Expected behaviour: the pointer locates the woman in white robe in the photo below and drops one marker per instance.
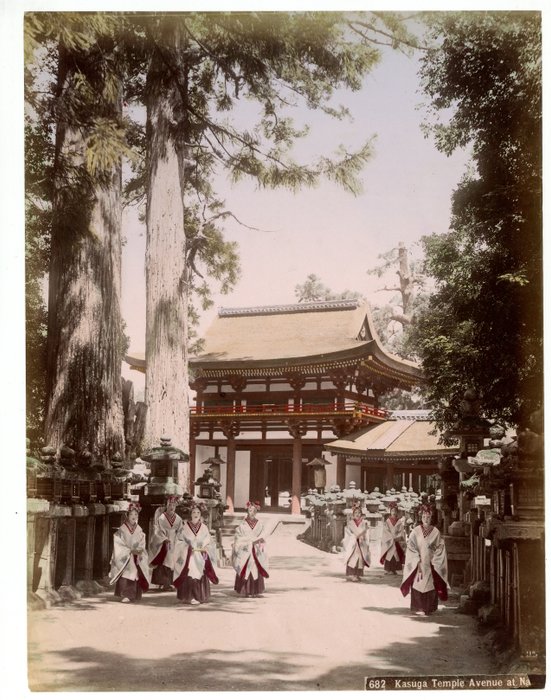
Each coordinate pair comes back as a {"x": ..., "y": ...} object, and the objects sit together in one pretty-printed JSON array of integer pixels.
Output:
[
  {"x": 249, "y": 556},
  {"x": 129, "y": 561},
  {"x": 393, "y": 541},
  {"x": 356, "y": 545},
  {"x": 426, "y": 567},
  {"x": 167, "y": 525},
  {"x": 193, "y": 564}
]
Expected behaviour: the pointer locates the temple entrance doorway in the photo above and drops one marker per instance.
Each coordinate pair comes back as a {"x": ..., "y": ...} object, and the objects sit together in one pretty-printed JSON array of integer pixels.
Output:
[{"x": 272, "y": 475}]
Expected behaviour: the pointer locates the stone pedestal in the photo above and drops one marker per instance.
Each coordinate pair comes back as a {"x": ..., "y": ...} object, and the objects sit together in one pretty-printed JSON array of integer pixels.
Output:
[
  {"x": 45, "y": 558},
  {"x": 37, "y": 534},
  {"x": 101, "y": 542},
  {"x": 458, "y": 549},
  {"x": 86, "y": 521},
  {"x": 338, "y": 524},
  {"x": 65, "y": 569},
  {"x": 527, "y": 496},
  {"x": 523, "y": 610}
]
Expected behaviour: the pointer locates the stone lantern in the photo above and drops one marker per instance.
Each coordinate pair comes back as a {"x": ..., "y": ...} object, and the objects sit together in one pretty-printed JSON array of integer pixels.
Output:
[
  {"x": 214, "y": 464},
  {"x": 471, "y": 430},
  {"x": 336, "y": 504},
  {"x": 320, "y": 473},
  {"x": 163, "y": 461},
  {"x": 208, "y": 486},
  {"x": 353, "y": 495},
  {"x": 371, "y": 504}
]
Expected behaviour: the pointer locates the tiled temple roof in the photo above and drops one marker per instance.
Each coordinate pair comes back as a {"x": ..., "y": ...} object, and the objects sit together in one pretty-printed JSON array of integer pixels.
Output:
[
  {"x": 296, "y": 337},
  {"x": 393, "y": 439}
]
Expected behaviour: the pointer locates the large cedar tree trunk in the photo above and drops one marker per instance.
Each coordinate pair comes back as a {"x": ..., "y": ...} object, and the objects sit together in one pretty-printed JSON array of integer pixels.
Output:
[
  {"x": 167, "y": 380},
  {"x": 84, "y": 407}
]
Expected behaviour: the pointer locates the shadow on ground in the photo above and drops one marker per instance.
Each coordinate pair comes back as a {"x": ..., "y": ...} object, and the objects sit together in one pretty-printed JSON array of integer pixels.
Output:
[{"x": 91, "y": 669}]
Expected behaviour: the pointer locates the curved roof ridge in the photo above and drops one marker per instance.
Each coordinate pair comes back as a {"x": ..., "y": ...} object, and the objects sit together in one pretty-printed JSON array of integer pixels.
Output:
[
  {"x": 378, "y": 342},
  {"x": 329, "y": 305}
]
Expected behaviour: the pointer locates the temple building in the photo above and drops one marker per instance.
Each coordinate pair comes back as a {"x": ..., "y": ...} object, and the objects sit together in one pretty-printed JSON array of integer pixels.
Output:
[
  {"x": 275, "y": 384},
  {"x": 403, "y": 451}
]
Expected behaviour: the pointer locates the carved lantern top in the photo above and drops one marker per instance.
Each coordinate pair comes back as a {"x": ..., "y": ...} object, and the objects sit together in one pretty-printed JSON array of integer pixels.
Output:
[{"x": 165, "y": 452}]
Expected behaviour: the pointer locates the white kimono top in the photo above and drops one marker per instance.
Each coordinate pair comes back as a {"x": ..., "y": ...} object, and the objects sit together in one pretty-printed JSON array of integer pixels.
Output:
[
  {"x": 356, "y": 543},
  {"x": 124, "y": 563},
  {"x": 195, "y": 552},
  {"x": 166, "y": 527},
  {"x": 249, "y": 557},
  {"x": 426, "y": 566},
  {"x": 393, "y": 540}
]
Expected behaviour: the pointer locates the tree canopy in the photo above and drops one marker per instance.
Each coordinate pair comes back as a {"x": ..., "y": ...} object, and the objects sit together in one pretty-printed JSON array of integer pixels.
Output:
[{"x": 483, "y": 326}]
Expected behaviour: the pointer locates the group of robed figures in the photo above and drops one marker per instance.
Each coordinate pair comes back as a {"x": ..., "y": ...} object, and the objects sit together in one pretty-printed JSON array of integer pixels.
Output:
[
  {"x": 181, "y": 555},
  {"x": 421, "y": 554}
]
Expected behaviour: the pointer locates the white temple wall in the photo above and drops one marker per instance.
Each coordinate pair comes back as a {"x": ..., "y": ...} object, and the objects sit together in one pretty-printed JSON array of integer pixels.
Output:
[
  {"x": 242, "y": 477},
  {"x": 330, "y": 469},
  {"x": 353, "y": 473}
]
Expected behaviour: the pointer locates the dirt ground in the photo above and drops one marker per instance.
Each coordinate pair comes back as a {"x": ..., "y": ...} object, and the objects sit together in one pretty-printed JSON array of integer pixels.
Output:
[{"x": 312, "y": 630}]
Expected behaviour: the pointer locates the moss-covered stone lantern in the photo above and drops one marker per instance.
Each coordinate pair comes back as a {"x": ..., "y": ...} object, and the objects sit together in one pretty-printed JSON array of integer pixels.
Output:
[{"x": 163, "y": 461}]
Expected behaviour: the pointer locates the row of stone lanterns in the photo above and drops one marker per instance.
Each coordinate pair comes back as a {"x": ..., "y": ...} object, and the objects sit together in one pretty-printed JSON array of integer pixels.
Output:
[
  {"x": 493, "y": 503},
  {"x": 329, "y": 511}
]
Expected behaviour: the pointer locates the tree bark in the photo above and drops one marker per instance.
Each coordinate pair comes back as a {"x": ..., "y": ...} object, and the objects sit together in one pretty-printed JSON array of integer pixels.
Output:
[
  {"x": 167, "y": 379},
  {"x": 84, "y": 407},
  {"x": 406, "y": 284}
]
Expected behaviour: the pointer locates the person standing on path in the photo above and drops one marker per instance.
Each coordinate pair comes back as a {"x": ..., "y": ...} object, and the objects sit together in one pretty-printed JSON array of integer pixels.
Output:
[
  {"x": 393, "y": 541},
  {"x": 356, "y": 544},
  {"x": 167, "y": 525},
  {"x": 129, "y": 561},
  {"x": 426, "y": 567},
  {"x": 249, "y": 557},
  {"x": 193, "y": 567}
]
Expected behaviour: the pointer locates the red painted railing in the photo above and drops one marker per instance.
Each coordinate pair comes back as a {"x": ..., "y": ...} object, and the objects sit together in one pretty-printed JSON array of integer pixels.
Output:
[{"x": 348, "y": 407}]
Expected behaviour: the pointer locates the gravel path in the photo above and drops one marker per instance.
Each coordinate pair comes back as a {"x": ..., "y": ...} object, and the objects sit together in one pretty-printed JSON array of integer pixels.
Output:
[{"x": 312, "y": 630}]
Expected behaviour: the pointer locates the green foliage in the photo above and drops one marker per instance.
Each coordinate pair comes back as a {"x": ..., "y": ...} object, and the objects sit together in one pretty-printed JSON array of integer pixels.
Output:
[
  {"x": 105, "y": 146},
  {"x": 209, "y": 258},
  {"x": 313, "y": 289},
  {"x": 483, "y": 325},
  {"x": 395, "y": 319},
  {"x": 38, "y": 175}
]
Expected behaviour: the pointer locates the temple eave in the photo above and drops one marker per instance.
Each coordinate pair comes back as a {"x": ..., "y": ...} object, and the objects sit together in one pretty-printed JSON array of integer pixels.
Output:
[{"x": 314, "y": 364}]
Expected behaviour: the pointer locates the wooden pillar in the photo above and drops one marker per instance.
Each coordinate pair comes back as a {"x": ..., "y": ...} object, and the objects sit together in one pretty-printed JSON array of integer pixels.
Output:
[
  {"x": 273, "y": 484},
  {"x": 230, "y": 475},
  {"x": 297, "y": 474},
  {"x": 192, "y": 460},
  {"x": 341, "y": 471},
  {"x": 389, "y": 476}
]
